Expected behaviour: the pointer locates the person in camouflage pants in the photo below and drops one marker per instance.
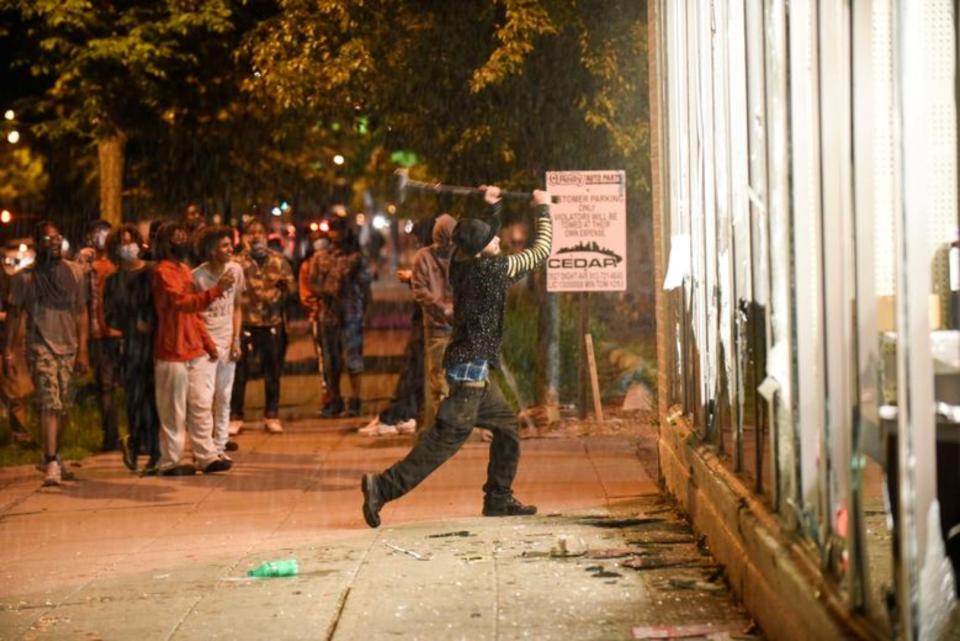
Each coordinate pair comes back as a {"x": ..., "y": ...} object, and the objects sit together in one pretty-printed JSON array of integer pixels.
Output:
[{"x": 263, "y": 335}]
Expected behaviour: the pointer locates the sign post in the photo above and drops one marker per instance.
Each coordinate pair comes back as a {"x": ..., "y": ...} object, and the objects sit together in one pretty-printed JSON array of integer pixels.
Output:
[
  {"x": 589, "y": 248},
  {"x": 589, "y": 231}
]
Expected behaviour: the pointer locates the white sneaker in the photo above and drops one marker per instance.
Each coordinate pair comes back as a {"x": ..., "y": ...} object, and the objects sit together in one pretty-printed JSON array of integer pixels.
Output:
[
  {"x": 273, "y": 425},
  {"x": 52, "y": 476},
  {"x": 370, "y": 427},
  {"x": 234, "y": 427},
  {"x": 376, "y": 428},
  {"x": 408, "y": 426}
]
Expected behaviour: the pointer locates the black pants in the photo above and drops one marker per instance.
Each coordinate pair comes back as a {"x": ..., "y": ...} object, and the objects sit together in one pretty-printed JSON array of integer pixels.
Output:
[
  {"x": 142, "y": 419},
  {"x": 268, "y": 344},
  {"x": 408, "y": 395},
  {"x": 105, "y": 358},
  {"x": 468, "y": 405}
]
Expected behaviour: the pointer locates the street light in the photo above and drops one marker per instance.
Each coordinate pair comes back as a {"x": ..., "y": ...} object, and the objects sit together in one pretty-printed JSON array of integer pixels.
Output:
[{"x": 13, "y": 137}]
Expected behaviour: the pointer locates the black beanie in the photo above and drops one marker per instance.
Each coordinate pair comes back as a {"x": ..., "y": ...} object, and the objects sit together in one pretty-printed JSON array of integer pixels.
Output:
[{"x": 472, "y": 234}]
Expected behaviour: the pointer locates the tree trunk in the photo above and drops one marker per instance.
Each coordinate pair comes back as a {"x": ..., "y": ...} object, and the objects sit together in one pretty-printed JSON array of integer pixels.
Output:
[{"x": 110, "y": 153}]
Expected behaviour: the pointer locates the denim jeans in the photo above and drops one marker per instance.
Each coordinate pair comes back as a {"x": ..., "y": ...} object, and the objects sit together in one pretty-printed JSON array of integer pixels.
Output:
[{"x": 469, "y": 405}]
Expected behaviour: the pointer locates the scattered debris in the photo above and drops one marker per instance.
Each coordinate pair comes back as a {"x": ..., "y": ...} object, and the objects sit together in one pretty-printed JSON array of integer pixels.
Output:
[
  {"x": 663, "y": 540},
  {"x": 567, "y": 547},
  {"x": 691, "y": 584},
  {"x": 597, "y": 572},
  {"x": 617, "y": 553},
  {"x": 656, "y": 562},
  {"x": 463, "y": 534},
  {"x": 410, "y": 553},
  {"x": 687, "y": 630},
  {"x": 607, "y": 522}
]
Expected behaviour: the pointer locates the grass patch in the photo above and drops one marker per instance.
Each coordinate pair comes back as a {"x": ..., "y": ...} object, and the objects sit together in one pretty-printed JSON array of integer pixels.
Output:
[{"x": 81, "y": 437}]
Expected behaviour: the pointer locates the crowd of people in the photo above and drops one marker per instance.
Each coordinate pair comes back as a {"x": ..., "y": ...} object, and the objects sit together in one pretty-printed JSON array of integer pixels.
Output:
[{"x": 179, "y": 317}]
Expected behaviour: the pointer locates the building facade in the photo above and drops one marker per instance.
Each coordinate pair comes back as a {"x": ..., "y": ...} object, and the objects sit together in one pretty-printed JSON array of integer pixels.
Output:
[{"x": 807, "y": 237}]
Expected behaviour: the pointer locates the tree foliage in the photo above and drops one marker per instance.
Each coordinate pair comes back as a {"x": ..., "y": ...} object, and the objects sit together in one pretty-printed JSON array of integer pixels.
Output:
[
  {"x": 111, "y": 64},
  {"x": 482, "y": 90},
  {"x": 235, "y": 102}
]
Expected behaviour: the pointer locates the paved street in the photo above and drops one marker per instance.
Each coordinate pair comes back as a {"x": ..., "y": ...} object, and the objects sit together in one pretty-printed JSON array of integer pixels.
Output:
[{"x": 112, "y": 556}]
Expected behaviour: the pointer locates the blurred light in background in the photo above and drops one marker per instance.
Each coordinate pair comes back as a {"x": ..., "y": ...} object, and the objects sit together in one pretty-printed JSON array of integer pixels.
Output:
[
  {"x": 9, "y": 115},
  {"x": 13, "y": 137},
  {"x": 380, "y": 222},
  {"x": 338, "y": 160},
  {"x": 5, "y": 216},
  {"x": 276, "y": 211}
]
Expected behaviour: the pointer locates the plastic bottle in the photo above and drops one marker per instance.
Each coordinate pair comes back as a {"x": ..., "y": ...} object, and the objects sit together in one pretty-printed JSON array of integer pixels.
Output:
[{"x": 287, "y": 567}]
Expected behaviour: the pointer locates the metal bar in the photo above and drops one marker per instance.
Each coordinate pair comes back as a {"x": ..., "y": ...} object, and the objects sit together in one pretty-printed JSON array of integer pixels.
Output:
[
  {"x": 740, "y": 255},
  {"x": 839, "y": 287},
  {"x": 807, "y": 305},
  {"x": 915, "y": 442},
  {"x": 780, "y": 357},
  {"x": 757, "y": 193},
  {"x": 866, "y": 385}
]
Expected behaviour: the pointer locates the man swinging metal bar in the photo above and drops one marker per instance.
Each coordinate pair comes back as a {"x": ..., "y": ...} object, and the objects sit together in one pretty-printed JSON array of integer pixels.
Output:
[{"x": 480, "y": 277}]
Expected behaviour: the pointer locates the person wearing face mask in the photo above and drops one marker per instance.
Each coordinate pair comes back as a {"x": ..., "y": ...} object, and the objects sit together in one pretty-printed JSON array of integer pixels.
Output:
[
  {"x": 340, "y": 280},
  {"x": 268, "y": 278},
  {"x": 128, "y": 306},
  {"x": 53, "y": 293},
  {"x": 185, "y": 355},
  {"x": 223, "y": 320},
  {"x": 104, "y": 339}
]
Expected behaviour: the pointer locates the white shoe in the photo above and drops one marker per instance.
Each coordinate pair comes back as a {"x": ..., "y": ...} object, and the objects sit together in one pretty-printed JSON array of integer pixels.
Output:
[
  {"x": 376, "y": 428},
  {"x": 370, "y": 427},
  {"x": 408, "y": 426},
  {"x": 273, "y": 425},
  {"x": 52, "y": 476},
  {"x": 234, "y": 427}
]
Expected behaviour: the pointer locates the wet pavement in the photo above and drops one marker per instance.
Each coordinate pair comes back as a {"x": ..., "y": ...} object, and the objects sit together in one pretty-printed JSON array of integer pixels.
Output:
[{"x": 113, "y": 556}]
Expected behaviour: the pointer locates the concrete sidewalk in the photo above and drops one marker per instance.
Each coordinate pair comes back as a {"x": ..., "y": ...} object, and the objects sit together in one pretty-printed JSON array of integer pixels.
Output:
[{"x": 113, "y": 556}]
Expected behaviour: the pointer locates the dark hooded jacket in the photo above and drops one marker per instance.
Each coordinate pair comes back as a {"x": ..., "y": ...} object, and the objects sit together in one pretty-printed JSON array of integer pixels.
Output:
[{"x": 431, "y": 277}]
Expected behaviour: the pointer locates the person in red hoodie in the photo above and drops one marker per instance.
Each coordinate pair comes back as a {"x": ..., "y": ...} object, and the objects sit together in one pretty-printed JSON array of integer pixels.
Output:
[{"x": 184, "y": 353}]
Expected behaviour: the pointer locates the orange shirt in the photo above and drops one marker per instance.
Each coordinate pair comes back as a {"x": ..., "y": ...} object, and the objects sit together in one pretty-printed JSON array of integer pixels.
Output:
[
  {"x": 102, "y": 267},
  {"x": 307, "y": 298},
  {"x": 181, "y": 333}
]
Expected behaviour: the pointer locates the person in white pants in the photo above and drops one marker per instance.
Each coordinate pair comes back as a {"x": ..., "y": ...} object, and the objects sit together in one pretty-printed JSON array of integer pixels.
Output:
[
  {"x": 185, "y": 357},
  {"x": 222, "y": 320}
]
